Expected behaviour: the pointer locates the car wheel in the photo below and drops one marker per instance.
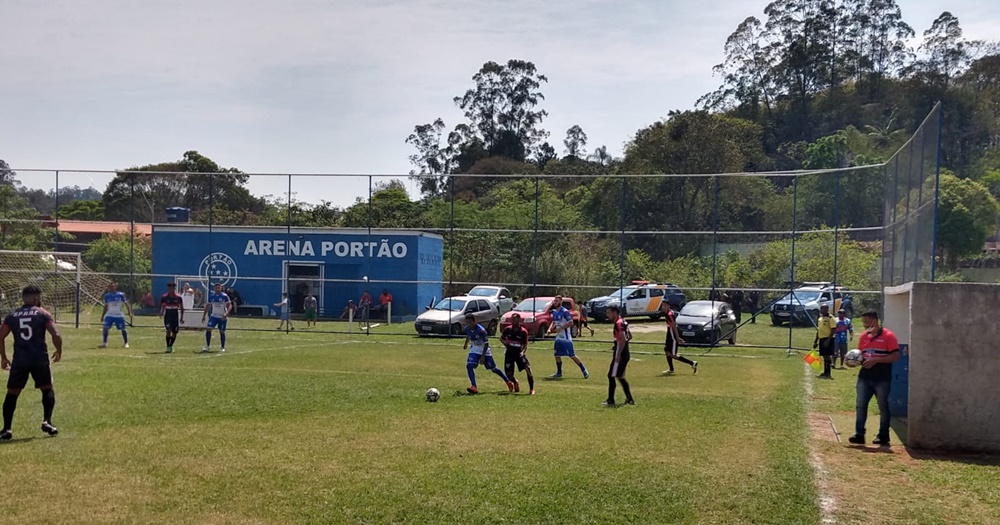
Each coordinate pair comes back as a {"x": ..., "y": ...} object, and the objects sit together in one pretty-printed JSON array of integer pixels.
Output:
[
  {"x": 456, "y": 329},
  {"x": 775, "y": 321},
  {"x": 716, "y": 336},
  {"x": 576, "y": 330},
  {"x": 541, "y": 330},
  {"x": 732, "y": 337},
  {"x": 656, "y": 317},
  {"x": 492, "y": 328}
]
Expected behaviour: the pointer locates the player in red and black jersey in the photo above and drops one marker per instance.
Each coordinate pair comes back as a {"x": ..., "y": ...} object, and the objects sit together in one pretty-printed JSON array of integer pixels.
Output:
[
  {"x": 172, "y": 311},
  {"x": 31, "y": 357},
  {"x": 515, "y": 339},
  {"x": 673, "y": 341},
  {"x": 620, "y": 359}
]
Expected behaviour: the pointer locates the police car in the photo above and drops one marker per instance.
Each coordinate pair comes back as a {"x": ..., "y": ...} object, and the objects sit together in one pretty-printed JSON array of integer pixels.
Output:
[
  {"x": 802, "y": 305},
  {"x": 638, "y": 299}
]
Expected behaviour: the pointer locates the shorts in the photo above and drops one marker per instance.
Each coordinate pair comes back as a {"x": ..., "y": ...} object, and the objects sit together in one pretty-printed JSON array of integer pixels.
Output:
[
  {"x": 618, "y": 369},
  {"x": 840, "y": 348},
  {"x": 488, "y": 362},
  {"x": 671, "y": 347},
  {"x": 310, "y": 314},
  {"x": 826, "y": 346},
  {"x": 514, "y": 358},
  {"x": 171, "y": 321},
  {"x": 284, "y": 316},
  {"x": 36, "y": 366},
  {"x": 217, "y": 321},
  {"x": 117, "y": 322},
  {"x": 564, "y": 348}
]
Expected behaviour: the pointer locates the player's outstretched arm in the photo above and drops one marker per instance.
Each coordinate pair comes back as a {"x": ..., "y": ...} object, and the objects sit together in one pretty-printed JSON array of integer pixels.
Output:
[
  {"x": 56, "y": 341},
  {"x": 4, "y": 362}
]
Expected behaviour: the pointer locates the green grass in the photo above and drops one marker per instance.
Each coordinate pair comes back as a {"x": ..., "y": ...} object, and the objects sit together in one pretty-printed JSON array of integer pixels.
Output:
[{"x": 333, "y": 428}]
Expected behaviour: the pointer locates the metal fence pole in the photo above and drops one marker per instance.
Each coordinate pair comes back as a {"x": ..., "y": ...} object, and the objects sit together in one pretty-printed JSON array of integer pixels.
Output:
[
  {"x": 534, "y": 257},
  {"x": 288, "y": 237},
  {"x": 836, "y": 228},
  {"x": 131, "y": 238},
  {"x": 791, "y": 282},
  {"x": 916, "y": 223},
  {"x": 55, "y": 216},
  {"x": 937, "y": 187},
  {"x": 906, "y": 217},
  {"x": 451, "y": 237},
  {"x": 715, "y": 241},
  {"x": 621, "y": 265}
]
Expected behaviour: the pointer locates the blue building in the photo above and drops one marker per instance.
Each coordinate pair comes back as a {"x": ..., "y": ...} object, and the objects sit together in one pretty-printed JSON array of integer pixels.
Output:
[{"x": 261, "y": 263}]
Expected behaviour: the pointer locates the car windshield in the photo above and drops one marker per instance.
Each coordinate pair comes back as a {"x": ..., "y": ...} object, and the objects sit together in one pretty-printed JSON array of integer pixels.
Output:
[
  {"x": 698, "y": 310},
  {"x": 530, "y": 305},
  {"x": 802, "y": 296},
  {"x": 450, "y": 305},
  {"x": 621, "y": 292},
  {"x": 483, "y": 292}
]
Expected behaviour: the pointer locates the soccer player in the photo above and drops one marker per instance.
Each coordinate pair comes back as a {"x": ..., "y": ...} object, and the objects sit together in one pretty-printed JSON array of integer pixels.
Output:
[
  {"x": 220, "y": 306},
  {"x": 283, "y": 306},
  {"x": 840, "y": 335},
  {"x": 584, "y": 320},
  {"x": 171, "y": 311},
  {"x": 880, "y": 349},
  {"x": 31, "y": 357},
  {"x": 670, "y": 347},
  {"x": 480, "y": 353},
  {"x": 113, "y": 315},
  {"x": 619, "y": 359},
  {"x": 562, "y": 326},
  {"x": 310, "y": 304},
  {"x": 825, "y": 326},
  {"x": 515, "y": 340}
]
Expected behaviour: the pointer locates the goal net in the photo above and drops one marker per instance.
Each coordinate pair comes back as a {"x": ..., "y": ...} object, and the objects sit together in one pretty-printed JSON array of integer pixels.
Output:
[{"x": 68, "y": 286}]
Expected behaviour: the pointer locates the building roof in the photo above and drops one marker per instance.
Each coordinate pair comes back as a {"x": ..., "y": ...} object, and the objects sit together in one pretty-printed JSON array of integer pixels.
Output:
[{"x": 103, "y": 227}]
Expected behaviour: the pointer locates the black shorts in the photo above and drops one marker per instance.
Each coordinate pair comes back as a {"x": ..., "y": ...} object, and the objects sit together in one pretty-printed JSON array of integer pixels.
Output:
[
  {"x": 826, "y": 346},
  {"x": 671, "y": 346},
  {"x": 171, "y": 321},
  {"x": 36, "y": 366},
  {"x": 618, "y": 369},
  {"x": 514, "y": 358}
]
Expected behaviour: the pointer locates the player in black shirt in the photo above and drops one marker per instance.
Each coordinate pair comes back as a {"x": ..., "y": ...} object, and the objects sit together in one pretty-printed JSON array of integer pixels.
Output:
[
  {"x": 171, "y": 310},
  {"x": 515, "y": 339},
  {"x": 31, "y": 357}
]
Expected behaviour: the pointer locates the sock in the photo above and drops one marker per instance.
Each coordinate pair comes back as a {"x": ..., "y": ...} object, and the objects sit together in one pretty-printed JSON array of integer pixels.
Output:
[
  {"x": 9, "y": 404},
  {"x": 582, "y": 368},
  {"x": 611, "y": 390},
  {"x": 208, "y": 338},
  {"x": 683, "y": 360},
  {"x": 626, "y": 389},
  {"x": 472, "y": 374},
  {"x": 48, "y": 403},
  {"x": 125, "y": 336},
  {"x": 502, "y": 375},
  {"x": 670, "y": 363},
  {"x": 826, "y": 365},
  {"x": 167, "y": 338},
  {"x": 559, "y": 367},
  {"x": 105, "y": 335},
  {"x": 222, "y": 339}
]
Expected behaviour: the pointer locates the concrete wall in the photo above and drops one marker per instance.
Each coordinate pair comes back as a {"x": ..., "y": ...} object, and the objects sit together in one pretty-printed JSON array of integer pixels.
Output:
[{"x": 954, "y": 400}]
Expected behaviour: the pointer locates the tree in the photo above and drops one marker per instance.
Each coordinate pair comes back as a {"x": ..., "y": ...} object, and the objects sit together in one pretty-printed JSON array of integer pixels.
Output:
[
  {"x": 746, "y": 71},
  {"x": 391, "y": 207},
  {"x": 20, "y": 227},
  {"x": 967, "y": 215},
  {"x": 576, "y": 142},
  {"x": 875, "y": 46},
  {"x": 83, "y": 210},
  {"x": 946, "y": 52},
  {"x": 502, "y": 108},
  {"x": 126, "y": 261},
  {"x": 432, "y": 160}
]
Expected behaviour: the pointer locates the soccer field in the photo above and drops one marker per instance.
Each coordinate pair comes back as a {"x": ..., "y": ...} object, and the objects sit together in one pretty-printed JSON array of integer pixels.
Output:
[{"x": 320, "y": 428}]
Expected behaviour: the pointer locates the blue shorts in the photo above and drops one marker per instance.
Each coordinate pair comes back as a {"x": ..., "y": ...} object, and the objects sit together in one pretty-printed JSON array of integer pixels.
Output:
[
  {"x": 564, "y": 348},
  {"x": 217, "y": 321},
  {"x": 284, "y": 316},
  {"x": 488, "y": 364},
  {"x": 117, "y": 322}
]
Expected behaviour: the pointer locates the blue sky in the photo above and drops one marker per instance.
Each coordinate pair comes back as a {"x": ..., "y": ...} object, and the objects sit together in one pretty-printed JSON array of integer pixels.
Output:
[{"x": 311, "y": 86}]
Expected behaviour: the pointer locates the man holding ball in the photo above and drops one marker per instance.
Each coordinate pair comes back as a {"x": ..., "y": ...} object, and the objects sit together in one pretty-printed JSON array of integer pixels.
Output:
[{"x": 880, "y": 349}]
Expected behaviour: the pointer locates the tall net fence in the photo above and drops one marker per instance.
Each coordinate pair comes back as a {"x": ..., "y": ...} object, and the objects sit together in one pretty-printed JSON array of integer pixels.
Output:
[
  {"x": 911, "y": 189},
  {"x": 772, "y": 246}
]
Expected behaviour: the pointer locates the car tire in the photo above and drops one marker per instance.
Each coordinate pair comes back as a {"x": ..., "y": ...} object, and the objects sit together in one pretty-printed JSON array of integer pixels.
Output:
[
  {"x": 732, "y": 337},
  {"x": 541, "y": 331},
  {"x": 492, "y": 328},
  {"x": 456, "y": 329},
  {"x": 656, "y": 317},
  {"x": 775, "y": 321},
  {"x": 716, "y": 336}
]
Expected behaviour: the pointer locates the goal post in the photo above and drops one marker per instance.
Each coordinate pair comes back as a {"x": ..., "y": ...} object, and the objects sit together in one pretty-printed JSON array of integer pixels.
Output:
[{"x": 68, "y": 286}]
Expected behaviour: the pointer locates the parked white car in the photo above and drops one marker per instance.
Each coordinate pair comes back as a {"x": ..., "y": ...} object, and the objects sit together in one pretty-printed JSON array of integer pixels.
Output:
[
  {"x": 499, "y": 296},
  {"x": 448, "y": 316}
]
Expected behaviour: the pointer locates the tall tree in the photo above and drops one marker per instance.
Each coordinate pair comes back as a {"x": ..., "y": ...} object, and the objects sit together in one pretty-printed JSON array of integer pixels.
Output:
[
  {"x": 876, "y": 38},
  {"x": 746, "y": 71},
  {"x": 946, "y": 53},
  {"x": 576, "y": 142}
]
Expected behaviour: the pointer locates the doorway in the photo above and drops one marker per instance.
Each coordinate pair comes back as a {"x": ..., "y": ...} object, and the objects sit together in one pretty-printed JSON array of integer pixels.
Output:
[{"x": 301, "y": 278}]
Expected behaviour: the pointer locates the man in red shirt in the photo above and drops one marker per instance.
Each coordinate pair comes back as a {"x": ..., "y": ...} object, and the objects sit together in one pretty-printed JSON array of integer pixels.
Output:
[
  {"x": 383, "y": 302},
  {"x": 880, "y": 349}
]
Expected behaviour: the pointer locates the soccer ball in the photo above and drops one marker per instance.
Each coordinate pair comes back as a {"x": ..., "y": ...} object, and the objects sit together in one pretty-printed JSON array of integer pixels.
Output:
[
  {"x": 433, "y": 395},
  {"x": 853, "y": 358}
]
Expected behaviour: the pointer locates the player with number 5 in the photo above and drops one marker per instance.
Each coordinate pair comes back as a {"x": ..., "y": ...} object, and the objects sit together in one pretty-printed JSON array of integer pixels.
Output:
[{"x": 31, "y": 357}]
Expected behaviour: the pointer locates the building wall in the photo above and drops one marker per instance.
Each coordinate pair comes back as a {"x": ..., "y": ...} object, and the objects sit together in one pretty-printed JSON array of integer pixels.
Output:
[
  {"x": 253, "y": 260},
  {"x": 954, "y": 403}
]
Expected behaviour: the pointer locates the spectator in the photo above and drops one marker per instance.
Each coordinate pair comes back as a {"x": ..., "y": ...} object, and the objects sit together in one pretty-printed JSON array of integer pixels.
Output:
[
  {"x": 753, "y": 301},
  {"x": 198, "y": 298},
  {"x": 311, "y": 306},
  {"x": 147, "y": 300},
  {"x": 735, "y": 299},
  {"x": 188, "y": 291},
  {"x": 234, "y": 296},
  {"x": 351, "y": 307},
  {"x": 879, "y": 349},
  {"x": 383, "y": 303},
  {"x": 365, "y": 306}
]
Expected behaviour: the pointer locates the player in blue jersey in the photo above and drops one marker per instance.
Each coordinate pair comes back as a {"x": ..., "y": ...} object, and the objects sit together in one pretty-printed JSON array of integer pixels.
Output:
[
  {"x": 220, "y": 307},
  {"x": 115, "y": 306},
  {"x": 29, "y": 324},
  {"x": 562, "y": 326},
  {"x": 477, "y": 337}
]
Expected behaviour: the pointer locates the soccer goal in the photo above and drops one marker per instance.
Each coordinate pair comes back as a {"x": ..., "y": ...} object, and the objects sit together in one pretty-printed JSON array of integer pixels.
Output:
[{"x": 68, "y": 286}]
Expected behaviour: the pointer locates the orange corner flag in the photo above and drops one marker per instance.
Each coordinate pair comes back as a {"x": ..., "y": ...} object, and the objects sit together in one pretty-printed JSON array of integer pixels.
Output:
[{"x": 812, "y": 358}]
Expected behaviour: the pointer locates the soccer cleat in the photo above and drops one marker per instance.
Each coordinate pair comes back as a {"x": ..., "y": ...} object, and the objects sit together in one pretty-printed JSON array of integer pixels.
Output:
[
  {"x": 49, "y": 429},
  {"x": 204, "y": 349},
  {"x": 556, "y": 375},
  {"x": 856, "y": 439},
  {"x": 517, "y": 386},
  {"x": 126, "y": 346},
  {"x": 6, "y": 435},
  {"x": 694, "y": 366},
  {"x": 102, "y": 345},
  {"x": 586, "y": 374},
  {"x": 880, "y": 441},
  {"x": 170, "y": 349},
  {"x": 630, "y": 402},
  {"x": 222, "y": 350},
  {"x": 472, "y": 390},
  {"x": 668, "y": 372},
  {"x": 510, "y": 386},
  {"x": 608, "y": 404},
  {"x": 532, "y": 391}
]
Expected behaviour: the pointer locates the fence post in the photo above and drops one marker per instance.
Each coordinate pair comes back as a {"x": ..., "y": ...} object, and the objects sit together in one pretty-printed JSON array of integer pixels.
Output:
[
  {"x": 451, "y": 235},
  {"x": 791, "y": 281},
  {"x": 534, "y": 257},
  {"x": 836, "y": 228},
  {"x": 368, "y": 262},
  {"x": 715, "y": 234},
  {"x": 55, "y": 214},
  {"x": 937, "y": 187},
  {"x": 131, "y": 238},
  {"x": 621, "y": 242},
  {"x": 288, "y": 237}
]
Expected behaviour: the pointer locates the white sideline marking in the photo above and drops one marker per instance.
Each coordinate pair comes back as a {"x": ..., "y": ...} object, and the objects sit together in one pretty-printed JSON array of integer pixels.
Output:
[{"x": 827, "y": 503}]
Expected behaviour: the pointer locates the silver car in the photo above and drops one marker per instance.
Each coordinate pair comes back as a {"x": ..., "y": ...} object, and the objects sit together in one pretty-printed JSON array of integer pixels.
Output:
[
  {"x": 448, "y": 316},
  {"x": 498, "y": 295}
]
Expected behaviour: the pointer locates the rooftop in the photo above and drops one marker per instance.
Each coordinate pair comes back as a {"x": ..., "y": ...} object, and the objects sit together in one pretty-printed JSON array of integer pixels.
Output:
[{"x": 103, "y": 227}]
